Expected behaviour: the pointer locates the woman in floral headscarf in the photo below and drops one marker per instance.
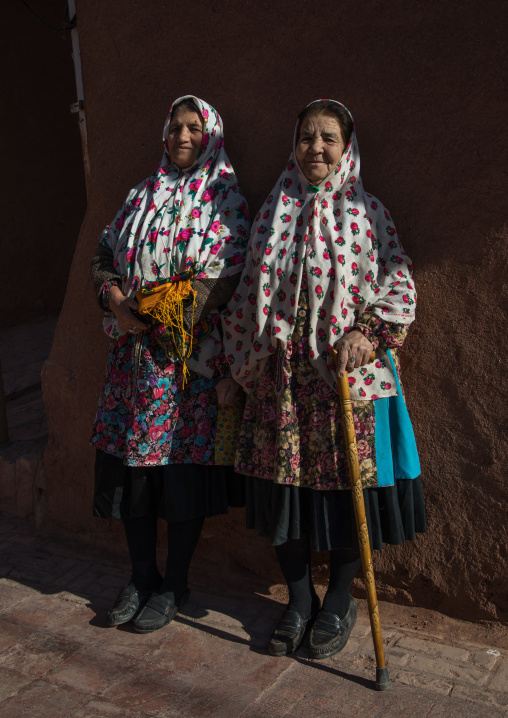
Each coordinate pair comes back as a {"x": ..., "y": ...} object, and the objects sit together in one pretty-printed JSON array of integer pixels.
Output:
[
  {"x": 325, "y": 270},
  {"x": 170, "y": 258}
]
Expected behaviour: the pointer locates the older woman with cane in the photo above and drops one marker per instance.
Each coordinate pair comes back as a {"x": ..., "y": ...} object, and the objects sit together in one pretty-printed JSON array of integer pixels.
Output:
[
  {"x": 325, "y": 273},
  {"x": 171, "y": 257}
]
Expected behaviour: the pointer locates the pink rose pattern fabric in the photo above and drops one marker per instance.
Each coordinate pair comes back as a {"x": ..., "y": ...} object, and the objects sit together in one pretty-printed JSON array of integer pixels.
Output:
[
  {"x": 355, "y": 262},
  {"x": 177, "y": 220}
]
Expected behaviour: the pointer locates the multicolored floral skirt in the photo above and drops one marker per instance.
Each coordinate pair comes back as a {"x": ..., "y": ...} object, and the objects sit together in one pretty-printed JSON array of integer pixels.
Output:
[
  {"x": 156, "y": 441},
  {"x": 292, "y": 427},
  {"x": 145, "y": 417}
]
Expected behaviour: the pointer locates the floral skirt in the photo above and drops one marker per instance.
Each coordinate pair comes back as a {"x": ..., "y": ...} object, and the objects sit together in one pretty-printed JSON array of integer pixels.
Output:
[
  {"x": 291, "y": 430},
  {"x": 177, "y": 492},
  {"x": 145, "y": 417}
]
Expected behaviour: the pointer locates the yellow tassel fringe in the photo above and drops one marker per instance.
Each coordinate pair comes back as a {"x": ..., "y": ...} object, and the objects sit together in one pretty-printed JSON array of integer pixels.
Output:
[{"x": 165, "y": 305}]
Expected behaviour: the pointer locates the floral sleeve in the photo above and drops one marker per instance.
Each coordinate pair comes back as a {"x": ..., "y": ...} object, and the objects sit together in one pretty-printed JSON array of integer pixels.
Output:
[{"x": 385, "y": 335}]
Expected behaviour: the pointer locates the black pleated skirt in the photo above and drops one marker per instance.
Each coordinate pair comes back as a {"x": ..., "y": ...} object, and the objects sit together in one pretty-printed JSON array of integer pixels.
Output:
[
  {"x": 281, "y": 512},
  {"x": 176, "y": 492}
]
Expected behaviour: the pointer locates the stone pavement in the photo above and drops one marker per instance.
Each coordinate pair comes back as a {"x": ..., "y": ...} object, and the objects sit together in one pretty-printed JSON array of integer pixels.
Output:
[{"x": 58, "y": 658}]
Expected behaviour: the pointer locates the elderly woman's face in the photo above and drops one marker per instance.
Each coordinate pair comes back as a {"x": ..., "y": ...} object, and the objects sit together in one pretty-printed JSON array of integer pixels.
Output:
[
  {"x": 184, "y": 137},
  {"x": 319, "y": 147}
]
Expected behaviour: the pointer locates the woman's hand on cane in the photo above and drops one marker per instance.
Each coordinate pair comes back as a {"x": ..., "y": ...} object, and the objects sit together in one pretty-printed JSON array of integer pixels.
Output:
[{"x": 353, "y": 350}]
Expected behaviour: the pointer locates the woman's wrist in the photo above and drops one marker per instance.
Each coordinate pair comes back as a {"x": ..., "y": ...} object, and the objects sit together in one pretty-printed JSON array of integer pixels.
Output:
[
  {"x": 115, "y": 294},
  {"x": 367, "y": 333},
  {"x": 106, "y": 291}
]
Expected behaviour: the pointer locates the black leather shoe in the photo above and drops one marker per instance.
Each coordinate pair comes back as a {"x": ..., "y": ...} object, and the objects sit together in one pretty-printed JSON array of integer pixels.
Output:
[
  {"x": 289, "y": 633},
  {"x": 159, "y": 610},
  {"x": 127, "y": 604},
  {"x": 329, "y": 633}
]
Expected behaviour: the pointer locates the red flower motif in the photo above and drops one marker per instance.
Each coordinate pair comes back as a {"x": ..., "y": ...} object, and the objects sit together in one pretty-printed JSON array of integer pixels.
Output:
[{"x": 209, "y": 194}]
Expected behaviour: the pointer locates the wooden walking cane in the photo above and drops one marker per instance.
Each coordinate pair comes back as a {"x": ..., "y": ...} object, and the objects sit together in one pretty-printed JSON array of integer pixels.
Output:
[{"x": 382, "y": 678}]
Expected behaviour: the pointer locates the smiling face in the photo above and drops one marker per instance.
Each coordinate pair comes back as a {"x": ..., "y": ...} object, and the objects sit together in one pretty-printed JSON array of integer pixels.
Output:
[
  {"x": 184, "y": 137},
  {"x": 319, "y": 146}
]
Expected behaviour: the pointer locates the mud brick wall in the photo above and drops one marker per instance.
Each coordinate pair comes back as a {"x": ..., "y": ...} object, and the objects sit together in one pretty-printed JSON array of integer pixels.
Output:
[{"x": 423, "y": 82}]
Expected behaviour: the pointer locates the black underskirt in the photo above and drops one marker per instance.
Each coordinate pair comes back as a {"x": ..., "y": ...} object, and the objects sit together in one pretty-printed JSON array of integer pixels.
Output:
[
  {"x": 180, "y": 492},
  {"x": 176, "y": 492},
  {"x": 281, "y": 512}
]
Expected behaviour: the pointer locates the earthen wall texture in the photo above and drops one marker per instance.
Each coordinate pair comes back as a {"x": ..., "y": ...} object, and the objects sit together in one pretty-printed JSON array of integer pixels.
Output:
[
  {"x": 43, "y": 188},
  {"x": 423, "y": 82}
]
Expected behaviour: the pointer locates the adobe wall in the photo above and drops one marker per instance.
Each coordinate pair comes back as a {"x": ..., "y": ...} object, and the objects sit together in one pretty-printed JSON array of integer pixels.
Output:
[
  {"x": 423, "y": 83},
  {"x": 43, "y": 188}
]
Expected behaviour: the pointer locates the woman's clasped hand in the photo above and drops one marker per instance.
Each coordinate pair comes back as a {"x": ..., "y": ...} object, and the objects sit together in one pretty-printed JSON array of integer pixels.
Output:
[
  {"x": 353, "y": 351},
  {"x": 123, "y": 308}
]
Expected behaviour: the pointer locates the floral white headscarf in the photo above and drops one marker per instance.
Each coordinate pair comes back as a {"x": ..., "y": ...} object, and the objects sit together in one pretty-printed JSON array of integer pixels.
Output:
[
  {"x": 345, "y": 240},
  {"x": 194, "y": 220}
]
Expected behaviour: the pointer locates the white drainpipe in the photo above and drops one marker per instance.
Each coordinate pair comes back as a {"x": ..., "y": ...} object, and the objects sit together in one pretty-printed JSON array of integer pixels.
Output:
[{"x": 79, "y": 106}]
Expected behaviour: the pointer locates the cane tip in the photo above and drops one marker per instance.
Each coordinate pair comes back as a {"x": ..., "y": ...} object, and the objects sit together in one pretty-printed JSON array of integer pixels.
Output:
[{"x": 382, "y": 679}]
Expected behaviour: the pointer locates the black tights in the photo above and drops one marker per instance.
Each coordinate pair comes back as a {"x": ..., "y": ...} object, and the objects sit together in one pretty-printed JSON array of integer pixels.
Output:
[
  {"x": 183, "y": 538},
  {"x": 294, "y": 560}
]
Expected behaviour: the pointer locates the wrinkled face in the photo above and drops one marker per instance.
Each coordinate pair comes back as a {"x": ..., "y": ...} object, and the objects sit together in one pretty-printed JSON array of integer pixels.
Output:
[
  {"x": 319, "y": 147},
  {"x": 184, "y": 137}
]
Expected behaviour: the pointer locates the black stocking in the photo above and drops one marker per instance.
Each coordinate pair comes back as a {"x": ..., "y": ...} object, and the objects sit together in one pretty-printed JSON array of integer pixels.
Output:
[
  {"x": 183, "y": 538},
  {"x": 141, "y": 536},
  {"x": 344, "y": 565},
  {"x": 294, "y": 560}
]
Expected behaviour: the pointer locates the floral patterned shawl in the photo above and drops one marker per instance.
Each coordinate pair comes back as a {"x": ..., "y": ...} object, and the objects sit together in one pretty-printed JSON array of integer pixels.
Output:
[
  {"x": 347, "y": 243},
  {"x": 182, "y": 220}
]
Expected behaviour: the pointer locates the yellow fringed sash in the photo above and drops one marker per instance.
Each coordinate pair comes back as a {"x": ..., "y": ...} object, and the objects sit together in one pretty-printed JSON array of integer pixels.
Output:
[{"x": 165, "y": 304}]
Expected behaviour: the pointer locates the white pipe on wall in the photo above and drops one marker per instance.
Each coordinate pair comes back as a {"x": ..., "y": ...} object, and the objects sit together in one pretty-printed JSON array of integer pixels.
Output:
[{"x": 79, "y": 106}]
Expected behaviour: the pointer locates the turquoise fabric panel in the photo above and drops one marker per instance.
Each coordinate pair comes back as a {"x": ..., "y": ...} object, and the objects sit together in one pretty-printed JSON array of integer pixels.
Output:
[
  {"x": 384, "y": 456},
  {"x": 396, "y": 452}
]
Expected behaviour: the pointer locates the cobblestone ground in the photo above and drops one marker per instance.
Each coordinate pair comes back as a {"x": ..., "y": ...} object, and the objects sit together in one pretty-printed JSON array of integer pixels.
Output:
[{"x": 58, "y": 658}]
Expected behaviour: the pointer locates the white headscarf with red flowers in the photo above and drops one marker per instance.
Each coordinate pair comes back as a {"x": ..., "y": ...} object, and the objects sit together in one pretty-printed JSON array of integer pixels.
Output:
[
  {"x": 177, "y": 220},
  {"x": 345, "y": 240}
]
